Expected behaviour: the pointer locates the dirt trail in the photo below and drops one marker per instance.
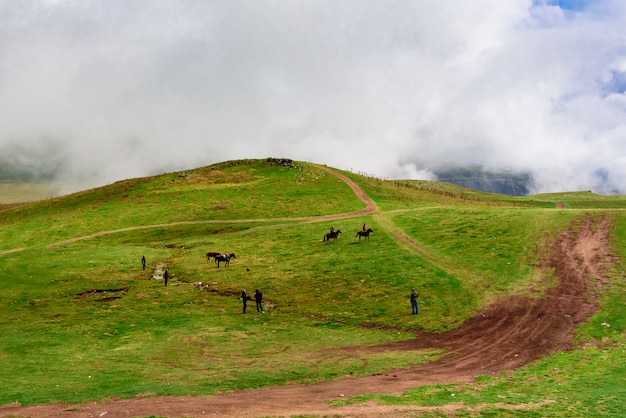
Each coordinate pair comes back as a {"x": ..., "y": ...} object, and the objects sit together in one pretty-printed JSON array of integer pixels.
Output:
[
  {"x": 369, "y": 209},
  {"x": 371, "y": 205},
  {"x": 506, "y": 335}
]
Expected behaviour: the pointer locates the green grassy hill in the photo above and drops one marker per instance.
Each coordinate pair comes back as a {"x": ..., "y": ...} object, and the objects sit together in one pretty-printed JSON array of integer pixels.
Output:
[{"x": 80, "y": 320}]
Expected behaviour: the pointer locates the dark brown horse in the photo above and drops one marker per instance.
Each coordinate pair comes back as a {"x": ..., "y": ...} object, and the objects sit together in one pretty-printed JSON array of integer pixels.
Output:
[
  {"x": 224, "y": 258},
  {"x": 332, "y": 235},
  {"x": 212, "y": 254},
  {"x": 364, "y": 234}
]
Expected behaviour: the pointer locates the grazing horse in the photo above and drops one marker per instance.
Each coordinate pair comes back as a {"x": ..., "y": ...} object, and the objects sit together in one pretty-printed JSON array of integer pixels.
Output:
[
  {"x": 212, "y": 254},
  {"x": 332, "y": 235},
  {"x": 364, "y": 234},
  {"x": 225, "y": 258}
]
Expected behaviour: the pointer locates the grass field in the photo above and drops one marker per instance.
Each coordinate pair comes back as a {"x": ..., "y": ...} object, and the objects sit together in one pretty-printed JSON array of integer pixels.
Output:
[{"x": 80, "y": 320}]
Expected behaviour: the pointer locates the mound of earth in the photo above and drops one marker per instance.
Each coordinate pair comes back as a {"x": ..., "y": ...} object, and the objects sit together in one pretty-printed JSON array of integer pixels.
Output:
[{"x": 508, "y": 334}]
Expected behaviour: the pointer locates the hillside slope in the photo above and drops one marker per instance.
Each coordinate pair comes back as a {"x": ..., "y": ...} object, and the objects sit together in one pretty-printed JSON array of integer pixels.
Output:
[{"x": 504, "y": 335}]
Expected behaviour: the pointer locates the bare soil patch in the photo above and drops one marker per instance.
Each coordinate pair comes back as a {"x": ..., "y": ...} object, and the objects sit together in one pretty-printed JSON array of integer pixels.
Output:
[
  {"x": 102, "y": 295},
  {"x": 506, "y": 335}
]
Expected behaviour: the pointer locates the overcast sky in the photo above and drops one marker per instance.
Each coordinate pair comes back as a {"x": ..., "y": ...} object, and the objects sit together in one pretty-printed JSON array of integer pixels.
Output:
[{"x": 116, "y": 89}]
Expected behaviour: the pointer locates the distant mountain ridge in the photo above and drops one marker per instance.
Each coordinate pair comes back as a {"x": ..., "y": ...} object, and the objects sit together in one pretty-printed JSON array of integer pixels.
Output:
[{"x": 494, "y": 181}]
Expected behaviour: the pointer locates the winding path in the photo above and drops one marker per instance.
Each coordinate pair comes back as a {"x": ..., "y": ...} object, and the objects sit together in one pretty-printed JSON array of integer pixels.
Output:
[{"x": 506, "y": 335}]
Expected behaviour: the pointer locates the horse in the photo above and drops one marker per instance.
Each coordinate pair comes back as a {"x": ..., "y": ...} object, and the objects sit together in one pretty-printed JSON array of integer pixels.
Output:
[
  {"x": 364, "y": 234},
  {"x": 225, "y": 258},
  {"x": 212, "y": 254},
  {"x": 332, "y": 235}
]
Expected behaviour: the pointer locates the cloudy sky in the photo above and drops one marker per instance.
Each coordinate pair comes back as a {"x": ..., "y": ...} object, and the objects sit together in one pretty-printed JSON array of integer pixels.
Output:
[{"x": 106, "y": 90}]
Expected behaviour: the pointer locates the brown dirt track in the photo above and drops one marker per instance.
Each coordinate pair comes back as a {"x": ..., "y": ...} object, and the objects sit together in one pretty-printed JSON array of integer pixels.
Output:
[{"x": 506, "y": 335}]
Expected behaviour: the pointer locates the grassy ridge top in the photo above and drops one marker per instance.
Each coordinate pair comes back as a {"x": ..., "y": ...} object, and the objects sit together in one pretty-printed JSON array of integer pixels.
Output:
[
  {"x": 245, "y": 189},
  {"x": 82, "y": 320}
]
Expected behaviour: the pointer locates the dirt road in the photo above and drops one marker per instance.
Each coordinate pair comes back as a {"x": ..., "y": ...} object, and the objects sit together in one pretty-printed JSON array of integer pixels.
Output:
[{"x": 506, "y": 335}]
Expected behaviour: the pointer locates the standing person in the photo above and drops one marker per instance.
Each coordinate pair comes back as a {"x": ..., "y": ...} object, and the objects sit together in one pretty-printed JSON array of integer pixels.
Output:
[
  {"x": 143, "y": 262},
  {"x": 244, "y": 298},
  {"x": 414, "y": 307},
  {"x": 166, "y": 275},
  {"x": 258, "y": 296}
]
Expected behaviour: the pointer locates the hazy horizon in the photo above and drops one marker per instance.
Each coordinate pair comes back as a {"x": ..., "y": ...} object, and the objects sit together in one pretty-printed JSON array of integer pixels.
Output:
[{"x": 100, "y": 91}]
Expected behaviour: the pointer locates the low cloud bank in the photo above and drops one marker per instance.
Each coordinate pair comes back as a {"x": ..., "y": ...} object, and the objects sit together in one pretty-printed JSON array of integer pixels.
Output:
[{"x": 95, "y": 92}]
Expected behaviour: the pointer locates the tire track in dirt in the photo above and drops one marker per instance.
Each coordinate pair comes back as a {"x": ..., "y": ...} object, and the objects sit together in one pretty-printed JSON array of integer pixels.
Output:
[{"x": 505, "y": 335}]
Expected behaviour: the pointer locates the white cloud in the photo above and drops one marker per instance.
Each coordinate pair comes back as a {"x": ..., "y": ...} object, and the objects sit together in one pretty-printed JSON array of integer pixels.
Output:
[{"x": 393, "y": 88}]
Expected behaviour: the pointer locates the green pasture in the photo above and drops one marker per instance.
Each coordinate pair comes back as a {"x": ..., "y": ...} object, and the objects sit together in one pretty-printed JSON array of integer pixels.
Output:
[
  {"x": 586, "y": 382},
  {"x": 238, "y": 190},
  {"x": 80, "y": 320}
]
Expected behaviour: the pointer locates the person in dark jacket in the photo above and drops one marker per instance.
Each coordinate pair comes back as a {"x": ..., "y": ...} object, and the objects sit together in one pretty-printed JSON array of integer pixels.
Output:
[
  {"x": 143, "y": 262},
  {"x": 244, "y": 298},
  {"x": 414, "y": 307},
  {"x": 166, "y": 275},
  {"x": 258, "y": 297}
]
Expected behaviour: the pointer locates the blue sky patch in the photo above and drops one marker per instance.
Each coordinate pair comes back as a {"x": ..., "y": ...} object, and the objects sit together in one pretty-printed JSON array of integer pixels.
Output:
[
  {"x": 617, "y": 83},
  {"x": 572, "y": 4}
]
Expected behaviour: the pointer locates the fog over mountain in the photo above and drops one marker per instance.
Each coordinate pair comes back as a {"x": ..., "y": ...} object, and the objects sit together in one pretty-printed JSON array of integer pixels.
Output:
[{"x": 96, "y": 91}]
